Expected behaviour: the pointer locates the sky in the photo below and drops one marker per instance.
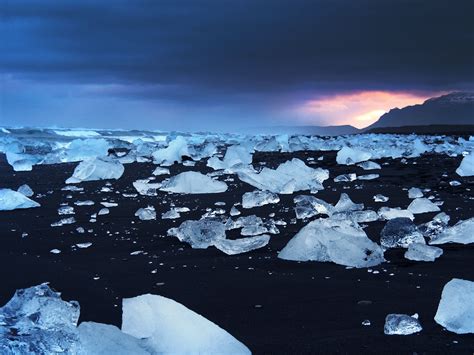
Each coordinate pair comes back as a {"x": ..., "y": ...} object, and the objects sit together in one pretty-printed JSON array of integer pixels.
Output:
[{"x": 223, "y": 65}]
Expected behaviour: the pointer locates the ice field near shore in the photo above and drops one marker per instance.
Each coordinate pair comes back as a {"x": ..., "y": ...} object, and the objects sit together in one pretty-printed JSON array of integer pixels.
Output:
[{"x": 291, "y": 201}]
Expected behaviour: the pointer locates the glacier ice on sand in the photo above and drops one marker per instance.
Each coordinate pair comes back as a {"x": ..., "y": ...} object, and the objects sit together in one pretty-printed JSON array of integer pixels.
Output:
[
  {"x": 401, "y": 324},
  {"x": 422, "y": 252},
  {"x": 342, "y": 242},
  {"x": 466, "y": 168},
  {"x": 422, "y": 205},
  {"x": 400, "y": 233},
  {"x": 462, "y": 233},
  {"x": 241, "y": 245},
  {"x": 456, "y": 307},
  {"x": 96, "y": 169},
  {"x": 12, "y": 200},
  {"x": 192, "y": 182},
  {"x": 258, "y": 198}
]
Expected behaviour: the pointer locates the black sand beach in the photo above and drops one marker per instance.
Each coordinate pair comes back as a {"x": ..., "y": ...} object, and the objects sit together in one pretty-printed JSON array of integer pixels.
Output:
[{"x": 271, "y": 305}]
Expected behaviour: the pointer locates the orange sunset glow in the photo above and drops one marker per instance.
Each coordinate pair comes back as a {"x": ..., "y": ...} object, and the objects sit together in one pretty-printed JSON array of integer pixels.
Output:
[{"x": 357, "y": 109}]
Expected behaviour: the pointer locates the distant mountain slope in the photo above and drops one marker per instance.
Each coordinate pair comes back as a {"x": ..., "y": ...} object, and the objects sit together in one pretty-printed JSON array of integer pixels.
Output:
[
  {"x": 452, "y": 109},
  {"x": 309, "y": 130}
]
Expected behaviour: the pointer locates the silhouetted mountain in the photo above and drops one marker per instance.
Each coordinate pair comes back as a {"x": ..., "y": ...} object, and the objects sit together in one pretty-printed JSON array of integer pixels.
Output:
[{"x": 453, "y": 109}]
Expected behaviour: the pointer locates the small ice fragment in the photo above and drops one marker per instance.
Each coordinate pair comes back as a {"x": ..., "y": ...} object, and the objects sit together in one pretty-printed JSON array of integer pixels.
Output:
[
  {"x": 55, "y": 251},
  {"x": 25, "y": 190},
  {"x": 84, "y": 203},
  {"x": 401, "y": 324},
  {"x": 466, "y": 168},
  {"x": 462, "y": 233},
  {"x": 368, "y": 177},
  {"x": 369, "y": 165},
  {"x": 380, "y": 198},
  {"x": 422, "y": 205},
  {"x": 83, "y": 245},
  {"x": 242, "y": 245},
  {"x": 388, "y": 213},
  {"x": 400, "y": 233},
  {"x": 103, "y": 211},
  {"x": 161, "y": 171},
  {"x": 345, "y": 178},
  {"x": 12, "y": 200},
  {"x": 65, "y": 210},
  {"x": 64, "y": 221},
  {"x": 234, "y": 211},
  {"x": 93, "y": 169},
  {"x": 422, "y": 252},
  {"x": 146, "y": 214},
  {"x": 258, "y": 198},
  {"x": 456, "y": 307},
  {"x": 350, "y": 156},
  {"x": 415, "y": 192},
  {"x": 192, "y": 182}
]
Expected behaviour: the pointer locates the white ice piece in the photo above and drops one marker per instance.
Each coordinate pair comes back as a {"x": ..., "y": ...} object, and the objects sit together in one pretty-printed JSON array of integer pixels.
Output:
[
  {"x": 96, "y": 169},
  {"x": 422, "y": 252},
  {"x": 341, "y": 242},
  {"x": 462, "y": 233},
  {"x": 170, "y": 328},
  {"x": 192, "y": 182},
  {"x": 26, "y": 190},
  {"x": 350, "y": 156},
  {"x": 291, "y": 176},
  {"x": 456, "y": 307},
  {"x": 466, "y": 168},
  {"x": 259, "y": 198},
  {"x": 242, "y": 245},
  {"x": 12, "y": 200},
  {"x": 422, "y": 205},
  {"x": 401, "y": 324}
]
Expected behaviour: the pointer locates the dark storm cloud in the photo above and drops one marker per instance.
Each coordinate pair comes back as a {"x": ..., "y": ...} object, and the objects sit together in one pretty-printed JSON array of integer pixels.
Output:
[
  {"x": 227, "y": 45},
  {"x": 240, "y": 52}
]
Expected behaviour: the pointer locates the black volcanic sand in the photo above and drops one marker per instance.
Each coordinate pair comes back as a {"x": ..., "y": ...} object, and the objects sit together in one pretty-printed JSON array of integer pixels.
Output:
[{"x": 271, "y": 305}]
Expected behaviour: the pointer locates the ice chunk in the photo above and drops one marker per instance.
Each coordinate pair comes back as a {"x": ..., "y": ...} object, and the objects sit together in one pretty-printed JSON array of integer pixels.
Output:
[
  {"x": 175, "y": 212},
  {"x": 456, "y": 307},
  {"x": 65, "y": 210},
  {"x": 422, "y": 205},
  {"x": 466, "y": 168},
  {"x": 259, "y": 198},
  {"x": 369, "y": 165},
  {"x": 356, "y": 216},
  {"x": 309, "y": 206},
  {"x": 293, "y": 175},
  {"x": 242, "y": 245},
  {"x": 12, "y": 200},
  {"x": 64, "y": 221},
  {"x": 349, "y": 156},
  {"x": 422, "y": 252},
  {"x": 415, "y": 192},
  {"x": 26, "y": 190},
  {"x": 96, "y": 169},
  {"x": 192, "y": 182},
  {"x": 170, "y": 328},
  {"x": 345, "y": 178},
  {"x": 462, "y": 232},
  {"x": 388, "y": 213},
  {"x": 173, "y": 153},
  {"x": 103, "y": 211},
  {"x": 434, "y": 227},
  {"x": 234, "y": 211},
  {"x": 236, "y": 155},
  {"x": 161, "y": 171},
  {"x": 341, "y": 242},
  {"x": 105, "y": 339},
  {"x": 368, "y": 177},
  {"x": 84, "y": 203},
  {"x": 400, "y": 233},
  {"x": 145, "y": 188},
  {"x": 401, "y": 324},
  {"x": 200, "y": 234},
  {"x": 380, "y": 198},
  {"x": 37, "y": 321},
  {"x": 252, "y": 225},
  {"x": 146, "y": 214},
  {"x": 345, "y": 204}
]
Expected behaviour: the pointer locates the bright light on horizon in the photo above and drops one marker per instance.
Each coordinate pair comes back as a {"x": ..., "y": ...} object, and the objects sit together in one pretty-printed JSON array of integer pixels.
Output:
[{"x": 359, "y": 109}]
